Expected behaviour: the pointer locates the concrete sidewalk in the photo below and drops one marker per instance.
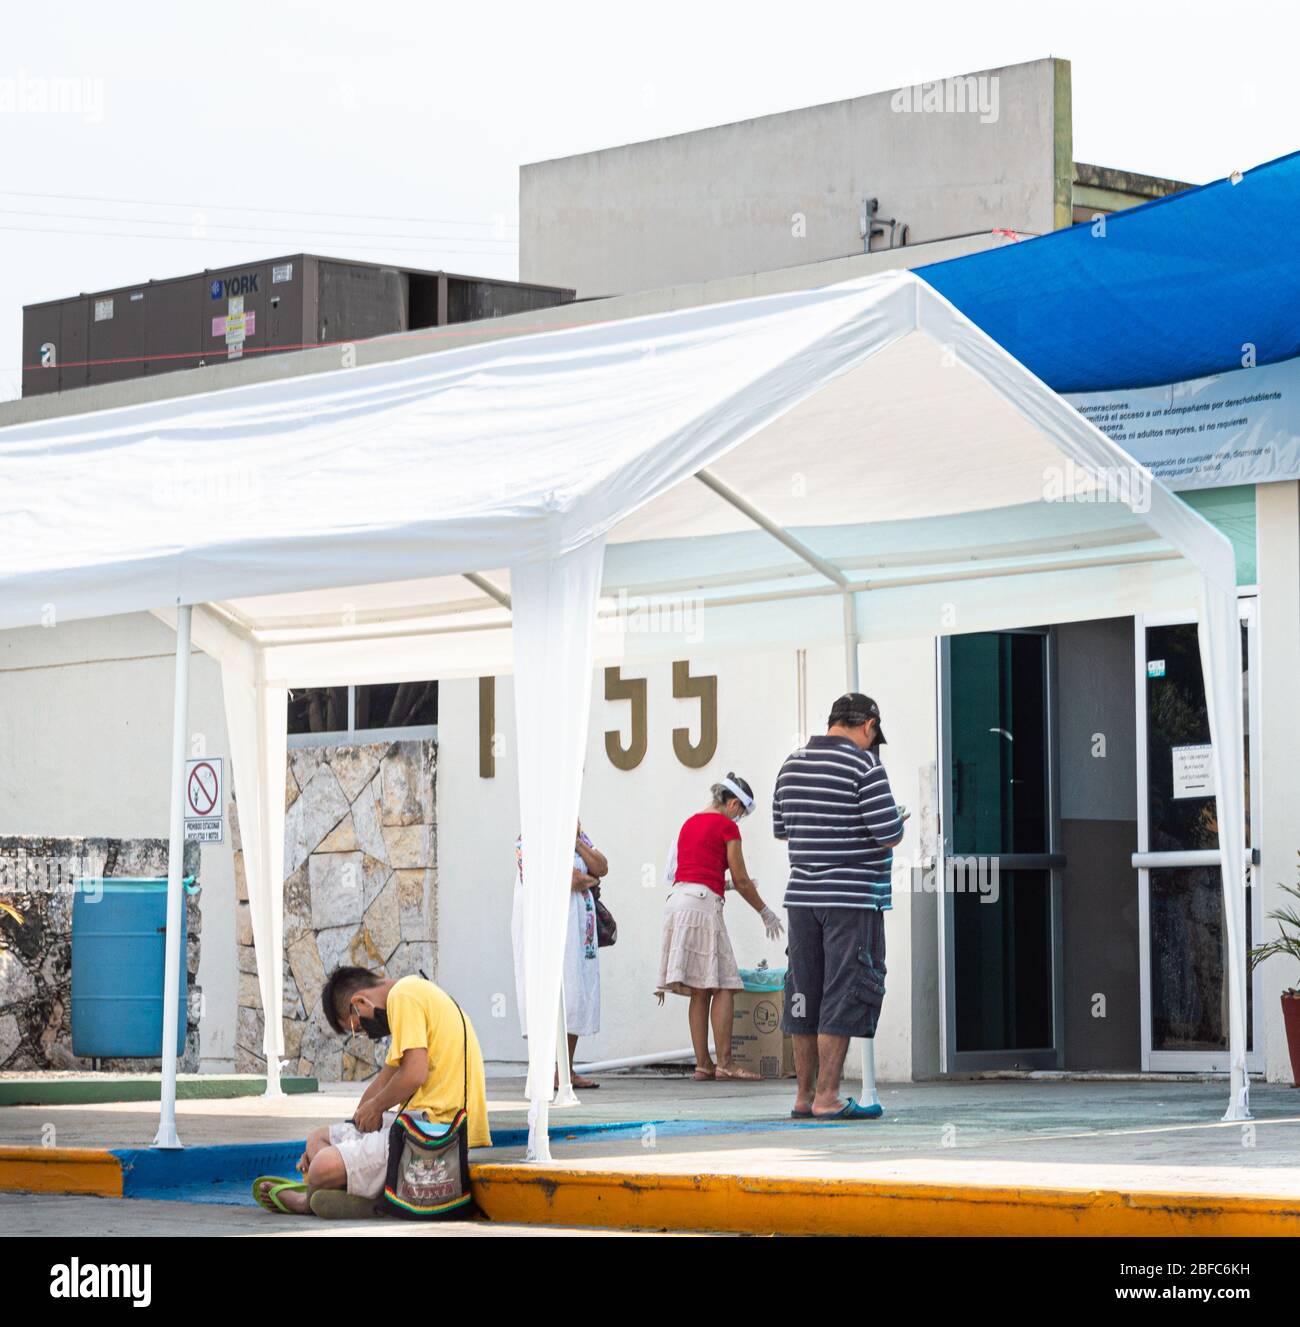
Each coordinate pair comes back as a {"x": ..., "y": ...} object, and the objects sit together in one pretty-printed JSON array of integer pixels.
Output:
[{"x": 950, "y": 1157}]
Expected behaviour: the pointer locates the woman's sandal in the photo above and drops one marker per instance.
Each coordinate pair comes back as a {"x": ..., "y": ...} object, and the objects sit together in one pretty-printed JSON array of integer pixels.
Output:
[
  {"x": 705, "y": 1075},
  {"x": 738, "y": 1075}
]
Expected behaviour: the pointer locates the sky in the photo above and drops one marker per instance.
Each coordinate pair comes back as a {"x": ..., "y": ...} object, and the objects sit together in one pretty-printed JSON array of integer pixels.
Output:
[{"x": 214, "y": 135}]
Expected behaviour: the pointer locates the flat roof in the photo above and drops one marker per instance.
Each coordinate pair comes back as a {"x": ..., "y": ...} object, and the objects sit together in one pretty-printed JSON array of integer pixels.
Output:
[
  {"x": 269, "y": 367},
  {"x": 291, "y": 258}
]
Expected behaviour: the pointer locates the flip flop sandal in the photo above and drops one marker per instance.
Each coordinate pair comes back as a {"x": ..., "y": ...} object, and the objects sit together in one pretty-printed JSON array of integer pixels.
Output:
[
  {"x": 738, "y": 1076},
  {"x": 851, "y": 1110},
  {"x": 270, "y": 1200},
  {"x": 335, "y": 1205},
  {"x": 801, "y": 1115},
  {"x": 705, "y": 1075}
]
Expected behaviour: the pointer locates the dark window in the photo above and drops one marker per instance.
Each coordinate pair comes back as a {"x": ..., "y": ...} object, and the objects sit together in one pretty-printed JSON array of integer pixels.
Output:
[
  {"x": 387, "y": 705},
  {"x": 397, "y": 705},
  {"x": 318, "y": 710}
]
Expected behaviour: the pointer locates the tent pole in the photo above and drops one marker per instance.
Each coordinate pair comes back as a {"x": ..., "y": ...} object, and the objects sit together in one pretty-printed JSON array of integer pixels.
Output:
[
  {"x": 167, "y": 1136},
  {"x": 870, "y": 1097},
  {"x": 851, "y": 641},
  {"x": 1219, "y": 636},
  {"x": 564, "y": 1095}
]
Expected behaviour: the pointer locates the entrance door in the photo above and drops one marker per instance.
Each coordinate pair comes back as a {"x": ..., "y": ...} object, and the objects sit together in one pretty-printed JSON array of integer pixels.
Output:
[
  {"x": 1180, "y": 895},
  {"x": 1000, "y": 919}
]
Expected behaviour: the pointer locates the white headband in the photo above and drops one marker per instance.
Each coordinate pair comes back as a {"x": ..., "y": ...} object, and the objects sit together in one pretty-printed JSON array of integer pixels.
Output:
[{"x": 745, "y": 799}]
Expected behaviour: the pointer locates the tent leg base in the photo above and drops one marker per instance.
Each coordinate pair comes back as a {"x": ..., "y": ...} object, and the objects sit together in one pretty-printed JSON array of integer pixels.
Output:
[{"x": 1239, "y": 1100}]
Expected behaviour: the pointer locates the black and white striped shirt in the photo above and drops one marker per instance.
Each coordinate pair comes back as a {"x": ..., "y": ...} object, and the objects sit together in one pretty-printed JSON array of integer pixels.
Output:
[{"x": 834, "y": 806}]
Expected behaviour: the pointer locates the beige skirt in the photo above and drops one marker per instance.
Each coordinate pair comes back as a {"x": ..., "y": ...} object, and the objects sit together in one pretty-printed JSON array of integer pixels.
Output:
[{"x": 697, "y": 953}]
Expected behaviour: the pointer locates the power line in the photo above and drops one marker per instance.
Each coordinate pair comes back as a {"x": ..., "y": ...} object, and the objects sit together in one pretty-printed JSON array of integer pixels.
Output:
[
  {"x": 236, "y": 207},
  {"x": 266, "y": 230},
  {"x": 230, "y": 239}
]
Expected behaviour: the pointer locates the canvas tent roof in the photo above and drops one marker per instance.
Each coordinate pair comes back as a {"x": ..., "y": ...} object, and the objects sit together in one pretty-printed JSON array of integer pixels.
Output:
[
  {"x": 856, "y": 461},
  {"x": 1174, "y": 289}
]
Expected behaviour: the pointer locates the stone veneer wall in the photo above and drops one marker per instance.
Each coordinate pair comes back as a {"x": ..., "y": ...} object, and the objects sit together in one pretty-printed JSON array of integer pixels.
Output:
[
  {"x": 37, "y": 876},
  {"x": 360, "y": 887}
]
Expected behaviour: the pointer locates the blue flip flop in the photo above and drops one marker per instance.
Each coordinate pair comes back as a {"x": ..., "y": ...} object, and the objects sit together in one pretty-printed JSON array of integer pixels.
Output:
[{"x": 853, "y": 1111}]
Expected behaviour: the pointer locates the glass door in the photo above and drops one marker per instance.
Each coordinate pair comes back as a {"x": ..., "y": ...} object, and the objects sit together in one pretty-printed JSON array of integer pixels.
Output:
[
  {"x": 1180, "y": 897},
  {"x": 1000, "y": 864}
]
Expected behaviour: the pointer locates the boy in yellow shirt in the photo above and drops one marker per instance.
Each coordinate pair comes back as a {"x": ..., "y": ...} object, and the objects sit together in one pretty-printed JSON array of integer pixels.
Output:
[{"x": 433, "y": 1059}]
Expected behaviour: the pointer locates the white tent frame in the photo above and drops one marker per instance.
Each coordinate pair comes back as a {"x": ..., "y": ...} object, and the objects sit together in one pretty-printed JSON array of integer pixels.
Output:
[{"x": 552, "y": 608}]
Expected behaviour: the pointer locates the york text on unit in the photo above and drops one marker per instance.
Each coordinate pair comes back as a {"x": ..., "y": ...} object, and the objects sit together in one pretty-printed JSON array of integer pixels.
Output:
[{"x": 235, "y": 285}]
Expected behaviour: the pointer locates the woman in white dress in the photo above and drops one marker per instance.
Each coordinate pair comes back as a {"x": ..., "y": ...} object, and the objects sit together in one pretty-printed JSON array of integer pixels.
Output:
[{"x": 581, "y": 947}]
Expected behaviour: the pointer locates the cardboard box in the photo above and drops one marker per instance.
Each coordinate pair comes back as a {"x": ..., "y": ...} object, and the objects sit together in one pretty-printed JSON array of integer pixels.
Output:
[{"x": 757, "y": 1042}]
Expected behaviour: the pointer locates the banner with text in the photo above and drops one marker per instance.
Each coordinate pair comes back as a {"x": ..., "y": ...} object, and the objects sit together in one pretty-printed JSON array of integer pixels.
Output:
[{"x": 1233, "y": 428}]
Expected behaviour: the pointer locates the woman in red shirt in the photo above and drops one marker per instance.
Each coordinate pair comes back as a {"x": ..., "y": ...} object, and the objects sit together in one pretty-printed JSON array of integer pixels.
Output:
[{"x": 697, "y": 959}]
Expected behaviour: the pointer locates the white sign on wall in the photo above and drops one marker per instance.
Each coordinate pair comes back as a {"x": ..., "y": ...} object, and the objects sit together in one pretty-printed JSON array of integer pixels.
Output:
[
  {"x": 1193, "y": 771},
  {"x": 1241, "y": 427},
  {"x": 203, "y": 819}
]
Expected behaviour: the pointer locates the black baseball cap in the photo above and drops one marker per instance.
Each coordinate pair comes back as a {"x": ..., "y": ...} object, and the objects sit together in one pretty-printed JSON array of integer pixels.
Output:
[{"x": 854, "y": 709}]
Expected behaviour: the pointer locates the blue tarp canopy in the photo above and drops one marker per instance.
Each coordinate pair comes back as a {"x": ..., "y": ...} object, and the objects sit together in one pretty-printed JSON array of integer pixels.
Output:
[{"x": 1172, "y": 290}]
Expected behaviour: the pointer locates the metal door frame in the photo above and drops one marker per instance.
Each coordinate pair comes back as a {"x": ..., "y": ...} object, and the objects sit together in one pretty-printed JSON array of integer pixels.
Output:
[
  {"x": 1154, "y": 1061},
  {"x": 1053, "y": 861}
]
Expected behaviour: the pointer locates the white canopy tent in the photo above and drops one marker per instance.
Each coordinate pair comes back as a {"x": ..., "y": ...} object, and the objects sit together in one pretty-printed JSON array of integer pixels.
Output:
[{"x": 858, "y": 460}]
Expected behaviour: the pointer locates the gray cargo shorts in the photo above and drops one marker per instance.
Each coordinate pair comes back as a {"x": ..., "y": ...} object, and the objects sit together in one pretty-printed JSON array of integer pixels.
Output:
[{"x": 835, "y": 980}]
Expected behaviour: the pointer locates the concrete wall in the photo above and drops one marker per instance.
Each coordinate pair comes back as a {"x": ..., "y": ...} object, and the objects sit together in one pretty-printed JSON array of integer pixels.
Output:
[
  {"x": 787, "y": 189},
  {"x": 85, "y": 728},
  {"x": 633, "y": 816},
  {"x": 903, "y": 677}
]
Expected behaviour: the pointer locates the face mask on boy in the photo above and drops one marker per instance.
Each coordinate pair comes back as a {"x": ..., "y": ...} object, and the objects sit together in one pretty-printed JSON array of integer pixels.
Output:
[{"x": 375, "y": 1025}]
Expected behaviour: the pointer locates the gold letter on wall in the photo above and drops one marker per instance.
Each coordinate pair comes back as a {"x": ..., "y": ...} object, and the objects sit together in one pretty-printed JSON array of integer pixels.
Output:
[
  {"x": 705, "y": 689},
  {"x": 634, "y": 689},
  {"x": 487, "y": 725}
]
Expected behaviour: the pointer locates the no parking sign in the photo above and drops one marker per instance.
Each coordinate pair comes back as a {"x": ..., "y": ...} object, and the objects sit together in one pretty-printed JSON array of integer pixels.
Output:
[{"x": 203, "y": 818}]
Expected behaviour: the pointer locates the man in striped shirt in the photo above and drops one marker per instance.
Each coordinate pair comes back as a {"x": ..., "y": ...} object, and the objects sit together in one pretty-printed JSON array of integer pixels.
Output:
[{"x": 834, "y": 807}]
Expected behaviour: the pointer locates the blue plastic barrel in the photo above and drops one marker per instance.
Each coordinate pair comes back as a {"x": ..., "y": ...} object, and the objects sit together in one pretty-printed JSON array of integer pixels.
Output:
[{"x": 118, "y": 956}]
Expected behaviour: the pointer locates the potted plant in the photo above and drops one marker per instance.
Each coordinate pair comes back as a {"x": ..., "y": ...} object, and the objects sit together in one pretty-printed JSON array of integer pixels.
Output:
[{"x": 1287, "y": 942}]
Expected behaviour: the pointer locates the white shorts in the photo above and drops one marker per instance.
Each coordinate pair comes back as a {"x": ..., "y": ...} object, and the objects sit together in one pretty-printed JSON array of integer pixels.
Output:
[{"x": 365, "y": 1155}]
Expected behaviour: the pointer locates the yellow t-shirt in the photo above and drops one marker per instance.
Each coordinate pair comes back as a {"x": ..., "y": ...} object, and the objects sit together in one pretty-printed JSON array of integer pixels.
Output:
[{"x": 422, "y": 1015}]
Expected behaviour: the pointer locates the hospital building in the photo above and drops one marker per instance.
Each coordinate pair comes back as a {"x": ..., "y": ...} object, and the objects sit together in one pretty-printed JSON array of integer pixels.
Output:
[{"x": 1069, "y": 760}]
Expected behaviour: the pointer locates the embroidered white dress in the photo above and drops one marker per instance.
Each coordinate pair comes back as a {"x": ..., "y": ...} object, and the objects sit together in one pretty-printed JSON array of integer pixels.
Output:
[{"x": 581, "y": 955}]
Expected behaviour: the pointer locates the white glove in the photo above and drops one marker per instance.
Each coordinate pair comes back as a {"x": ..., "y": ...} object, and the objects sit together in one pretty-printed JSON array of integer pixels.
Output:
[{"x": 772, "y": 924}]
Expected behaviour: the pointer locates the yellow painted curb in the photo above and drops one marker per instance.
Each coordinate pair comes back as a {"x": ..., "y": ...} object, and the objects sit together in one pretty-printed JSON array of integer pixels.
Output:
[
  {"x": 85, "y": 1170},
  {"x": 765, "y": 1205}
]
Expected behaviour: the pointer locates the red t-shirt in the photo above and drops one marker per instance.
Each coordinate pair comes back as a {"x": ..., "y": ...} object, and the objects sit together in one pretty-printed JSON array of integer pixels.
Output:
[{"x": 702, "y": 850}]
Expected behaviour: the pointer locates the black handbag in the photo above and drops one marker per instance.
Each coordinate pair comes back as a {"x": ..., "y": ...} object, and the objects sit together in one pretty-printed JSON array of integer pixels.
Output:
[
  {"x": 428, "y": 1174},
  {"x": 606, "y": 926}
]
